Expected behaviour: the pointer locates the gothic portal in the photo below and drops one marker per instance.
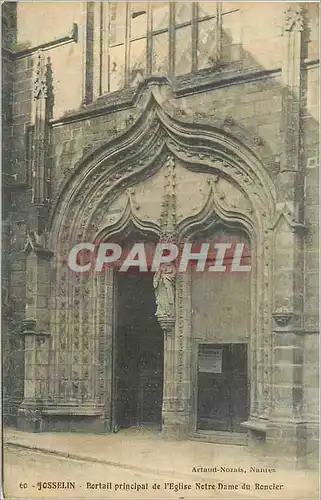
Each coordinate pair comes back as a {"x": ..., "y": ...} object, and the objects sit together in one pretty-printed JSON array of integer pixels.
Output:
[{"x": 172, "y": 181}]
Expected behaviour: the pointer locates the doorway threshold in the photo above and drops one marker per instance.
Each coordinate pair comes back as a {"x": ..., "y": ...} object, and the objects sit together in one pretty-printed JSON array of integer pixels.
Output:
[
  {"x": 141, "y": 430},
  {"x": 220, "y": 437}
]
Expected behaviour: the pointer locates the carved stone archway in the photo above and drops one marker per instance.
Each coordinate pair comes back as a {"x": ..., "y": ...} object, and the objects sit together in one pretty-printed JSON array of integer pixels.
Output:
[{"x": 81, "y": 371}]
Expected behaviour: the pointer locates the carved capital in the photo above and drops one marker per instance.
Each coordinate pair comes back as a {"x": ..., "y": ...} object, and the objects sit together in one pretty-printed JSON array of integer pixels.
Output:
[
  {"x": 167, "y": 324},
  {"x": 282, "y": 316},
  {"x": 29, "y": 326}
]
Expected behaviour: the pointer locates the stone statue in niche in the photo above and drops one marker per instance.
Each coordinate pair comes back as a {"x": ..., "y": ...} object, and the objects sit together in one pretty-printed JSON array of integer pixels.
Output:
[{"x": 164, "y": 285}]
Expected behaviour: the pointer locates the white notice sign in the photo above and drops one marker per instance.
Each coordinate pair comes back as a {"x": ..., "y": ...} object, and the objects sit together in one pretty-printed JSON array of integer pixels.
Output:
[{"x": 210, "y": 361}]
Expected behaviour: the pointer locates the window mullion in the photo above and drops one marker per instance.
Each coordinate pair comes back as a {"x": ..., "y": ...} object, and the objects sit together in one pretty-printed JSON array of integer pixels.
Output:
[
  {"x": 97, "y": 49},
  {"x": 105, "y": 46},
  {"x": 85, "y": 54},
  {"x": 218, "y": 31},
  {"x": 149, "y": 43},
  {"x": 194, "y": 35},
  {"x": 171, "y": 33},
  {"x": 89, "y": 53},
  {"x": 127, "y": 45},
  {"x": 101, "y": 44}
]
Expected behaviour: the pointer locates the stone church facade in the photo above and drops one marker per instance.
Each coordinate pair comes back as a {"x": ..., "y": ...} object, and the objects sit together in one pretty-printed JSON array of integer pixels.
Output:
[{"x": 137, "y": 121}]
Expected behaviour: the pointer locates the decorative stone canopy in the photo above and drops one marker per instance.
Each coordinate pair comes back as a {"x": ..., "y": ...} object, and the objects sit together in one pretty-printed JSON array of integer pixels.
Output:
[{"x": 134, "y": 156}]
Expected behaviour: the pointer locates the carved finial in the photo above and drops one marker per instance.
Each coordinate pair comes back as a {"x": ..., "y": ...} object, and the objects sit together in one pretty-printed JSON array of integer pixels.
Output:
[
  {"x": 294, "y": 18},
  {"x": 168, "y": 215},
  {"x": 40, "y": 81},
  {"x": 214, "y": 183},
  {"x": 130, "y": 193},
  {"x": 287, "y": 215}
]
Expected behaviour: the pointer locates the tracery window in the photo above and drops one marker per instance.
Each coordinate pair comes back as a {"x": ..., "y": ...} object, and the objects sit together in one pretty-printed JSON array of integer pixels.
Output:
[{"x": 138, "y": 39}]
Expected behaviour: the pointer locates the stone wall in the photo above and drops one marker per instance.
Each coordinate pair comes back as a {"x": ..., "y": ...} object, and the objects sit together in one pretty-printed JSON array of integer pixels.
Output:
[{"x": 12, "y": 293}]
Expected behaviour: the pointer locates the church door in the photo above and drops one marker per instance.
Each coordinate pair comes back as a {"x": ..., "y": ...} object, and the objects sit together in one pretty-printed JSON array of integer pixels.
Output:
[
  {"x": 138, "y": 353},
  {"x": 222, "y": 387}
]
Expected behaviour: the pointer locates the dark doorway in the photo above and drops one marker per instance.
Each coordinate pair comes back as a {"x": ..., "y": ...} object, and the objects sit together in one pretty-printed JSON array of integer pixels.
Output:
[
  {"x": 139, "y": 352},
  {"x": 222, "y": 387}
]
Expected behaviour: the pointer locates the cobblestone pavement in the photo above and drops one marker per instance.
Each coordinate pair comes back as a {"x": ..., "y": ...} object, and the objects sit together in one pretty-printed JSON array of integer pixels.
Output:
[{"x": 140, "y": 461}]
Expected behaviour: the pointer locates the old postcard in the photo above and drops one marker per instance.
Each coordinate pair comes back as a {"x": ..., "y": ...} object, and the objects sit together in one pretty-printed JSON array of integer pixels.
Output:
[{"x": 160, "y": 260}]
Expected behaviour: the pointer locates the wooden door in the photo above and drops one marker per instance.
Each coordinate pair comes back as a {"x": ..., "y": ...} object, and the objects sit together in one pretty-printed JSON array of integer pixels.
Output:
[{"x": 222, "y": 387}]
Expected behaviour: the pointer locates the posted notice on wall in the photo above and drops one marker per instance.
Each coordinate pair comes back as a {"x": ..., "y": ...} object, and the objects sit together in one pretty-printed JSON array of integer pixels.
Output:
[{"x": 210, "y": 361}]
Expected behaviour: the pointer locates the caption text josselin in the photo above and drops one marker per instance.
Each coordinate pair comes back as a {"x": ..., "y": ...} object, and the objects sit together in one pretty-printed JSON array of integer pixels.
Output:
[{"x": 167, "y": 486}]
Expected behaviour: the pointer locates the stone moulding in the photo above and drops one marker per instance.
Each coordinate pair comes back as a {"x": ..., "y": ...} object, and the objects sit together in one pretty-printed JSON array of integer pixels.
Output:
[
  {"x": 256, "y": 425},
  {"x": 72, "y": 410},
  {"x": 157, "y": 118},
  {"x": 180, "y": 86}
]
